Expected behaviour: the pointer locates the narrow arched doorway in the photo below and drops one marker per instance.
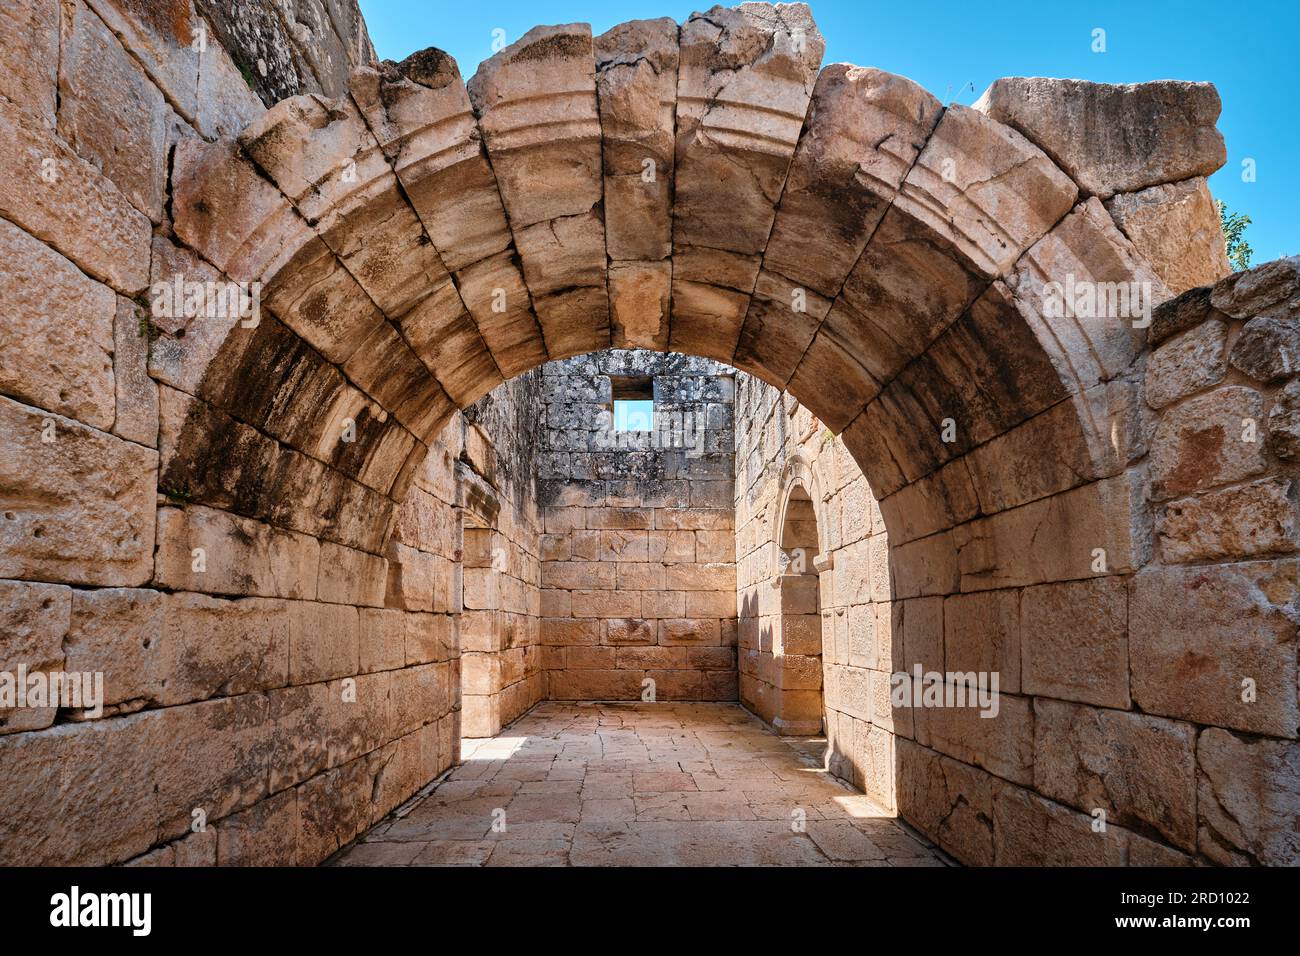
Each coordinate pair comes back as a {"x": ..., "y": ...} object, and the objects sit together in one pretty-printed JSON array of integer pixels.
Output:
[{"x": 797, "y": 634}]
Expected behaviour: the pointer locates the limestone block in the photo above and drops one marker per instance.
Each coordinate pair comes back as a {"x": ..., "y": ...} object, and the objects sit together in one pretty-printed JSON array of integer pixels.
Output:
[
  {"x": 1247, "y": 799},
  {"x": 949, "y": 801},
  {"x": 536, "y": 105},
  {"x": 982, "y": 634},
  {"x": 1181, "y": 313},
  {"x": 349, "y": 576},
  {"x": 744, "y": 82},
  {"x": 122, "y": 134},
  {"x": 1208, "y": 440},
  {"x": 689, "y": 631},
  {"x": 1175, "y": 227},
  {"x": 1024, "y": 545},
  {"x": 325, "y": 159},
  {"x": 1247, "y": 521},
  {"x": 638, "y": 304},
  {"x": 54, "y": 194},
  {"x": 1267, "y": 349},
  {"x": 266, "y": 834},
  {"x": 1187, "y": 363},
  {"x": 1284, "y": 423},
  {"x": 136, "y": 396},
  {"x": 65, "y": 787},
  {"x": 29, "y": 57},
  {"x": 1139, "y": 769},
  {"x": 971, "y": 166},
  {"x": 636, "y": 85},
  {"x": 1269, "y": 290},
  {"x": 239, "y": 556},
  {"x": 225, "y": 210},
  {"x": 1198, "y": 635},
  {"x": 864, "y": 130},
  {"x": 77, "y": 503},
  {"x": 35, "y": 620},
  {"x": 1033, "y": 831},
  {"x": 56, "y": 332},
  {"x": 1085, "y": 287},
  {"x": 1114, "y": 138},
  {"x": 1003, "y": 744},
  {"x": 1075, "y": 641}
]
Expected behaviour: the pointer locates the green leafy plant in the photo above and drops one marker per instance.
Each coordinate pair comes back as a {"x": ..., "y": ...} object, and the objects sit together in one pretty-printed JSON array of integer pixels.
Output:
[{"x": 1234, "y": 226}]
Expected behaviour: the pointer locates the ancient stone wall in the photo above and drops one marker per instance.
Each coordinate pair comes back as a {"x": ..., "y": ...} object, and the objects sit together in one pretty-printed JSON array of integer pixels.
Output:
[
  {"x": 501, "y": 657},
  {"x": 268, "y": 691},
  {"x": 813, "y": 659},
  {"x": 206, "y": 507},
  {"x": 1110, "y": 666},
  {"x": 638, "y": 570}
]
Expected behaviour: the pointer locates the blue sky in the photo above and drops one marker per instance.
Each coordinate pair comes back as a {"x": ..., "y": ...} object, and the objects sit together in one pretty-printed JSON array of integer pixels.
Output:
[{"x": 1247, "y": 49}]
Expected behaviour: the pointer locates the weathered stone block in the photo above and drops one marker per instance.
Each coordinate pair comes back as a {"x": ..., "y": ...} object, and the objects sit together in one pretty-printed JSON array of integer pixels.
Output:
[
  {"x": 1216, "y": 645},
  {"x": 1075, "y": 641},
  {"x": 56, "y": 332},
  {"x": 1247, "y": 521},
  {"x": 1248, "y": 803},
  {"x": 1208, "y": 440},
  {"x": 1114, "y": 138},
  {"x": 1187, "y": 363},
  {"x": 77, "y": 504},
  {"x": 1139, "y": 769}
]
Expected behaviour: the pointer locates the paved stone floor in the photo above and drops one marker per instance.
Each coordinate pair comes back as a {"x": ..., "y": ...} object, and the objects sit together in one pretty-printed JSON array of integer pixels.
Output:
[{"x": 635, "y": 784}]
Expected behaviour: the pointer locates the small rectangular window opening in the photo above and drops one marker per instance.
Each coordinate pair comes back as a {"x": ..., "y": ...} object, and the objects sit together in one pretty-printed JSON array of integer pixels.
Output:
[{"x": 633, "y": 403}]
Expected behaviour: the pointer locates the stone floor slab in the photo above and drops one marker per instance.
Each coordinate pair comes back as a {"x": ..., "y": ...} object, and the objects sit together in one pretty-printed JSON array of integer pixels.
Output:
[{"x": 640, "y": 784}]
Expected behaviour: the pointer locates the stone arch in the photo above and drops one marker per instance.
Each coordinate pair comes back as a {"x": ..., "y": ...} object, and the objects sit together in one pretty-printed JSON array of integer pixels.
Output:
[
  {"x": 799, "y": 475},
  {"x": 839, "y": 234},
  {"x": 795, "y": 704}
]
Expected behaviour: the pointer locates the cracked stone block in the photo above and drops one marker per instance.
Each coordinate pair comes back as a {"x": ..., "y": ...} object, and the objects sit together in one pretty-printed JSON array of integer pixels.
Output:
[
  {"x": 1175, "y": 227},
  {"x": 636, "y": 84},
  {"x": 1248, "y": 804},
  {"x": 1140, "y": 770},
  {"x": 1114, "y": 138},
  {"x": 1247, "y": 521},
  {"x": 56, "y": 334}
]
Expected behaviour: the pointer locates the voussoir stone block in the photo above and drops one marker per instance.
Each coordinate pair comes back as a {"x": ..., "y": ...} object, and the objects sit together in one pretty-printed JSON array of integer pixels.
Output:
[
  {"x": 745, "y": 79},
  {"x": 636, "y": 83},
  {"x": 864, "y": 130},
  {"x": 1114, "y": 138},
  {"x": 536, "y": 106}
]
